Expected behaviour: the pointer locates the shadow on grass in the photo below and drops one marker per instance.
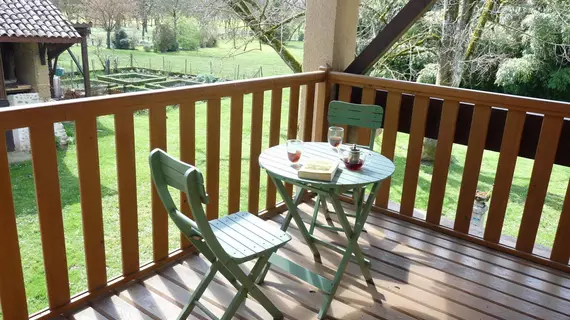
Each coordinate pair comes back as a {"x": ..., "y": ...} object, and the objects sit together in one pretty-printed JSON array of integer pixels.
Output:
[{"x": 22, "y": 177}]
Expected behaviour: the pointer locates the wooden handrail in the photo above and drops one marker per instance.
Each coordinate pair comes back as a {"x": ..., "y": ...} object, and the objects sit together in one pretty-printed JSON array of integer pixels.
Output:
[
  {"x": 526, "y": 104},
  {"x": 69, "y": 110}
]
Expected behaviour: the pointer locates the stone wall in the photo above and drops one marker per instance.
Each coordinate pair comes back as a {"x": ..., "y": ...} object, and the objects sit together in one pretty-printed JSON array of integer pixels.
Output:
[{"x": 29, "y": 69}]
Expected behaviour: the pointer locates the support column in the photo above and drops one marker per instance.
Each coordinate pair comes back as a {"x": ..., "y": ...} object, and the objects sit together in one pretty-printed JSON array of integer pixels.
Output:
[{"x": 330, "y": 37}]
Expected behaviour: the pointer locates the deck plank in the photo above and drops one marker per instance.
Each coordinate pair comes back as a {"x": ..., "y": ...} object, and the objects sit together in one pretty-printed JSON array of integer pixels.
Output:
[
  {"x": 400, "y": 288},
  {"x": 87, "y": 314},
  {"x": 114, "y": 307},
  {"x": 151, "y": 303},
  {"x": 179, "y": 296},
  {"x": 385, "y": 224},
  {"x": 217, "y": 295},
  {"x": 290, "y": 307},
  {"x": 418, "y": 273},
  {"x": 416, "y": 263}
]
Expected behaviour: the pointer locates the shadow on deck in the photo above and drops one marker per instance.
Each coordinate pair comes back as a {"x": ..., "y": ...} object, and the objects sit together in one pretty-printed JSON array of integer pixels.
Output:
[{"x": 417, "y": 273}]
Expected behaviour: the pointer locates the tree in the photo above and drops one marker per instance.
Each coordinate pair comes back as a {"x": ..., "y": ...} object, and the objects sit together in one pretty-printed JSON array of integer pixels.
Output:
[
  {"x": 264, "y": 19},
  {"x": 108, "y": 14},
  {"x": 145, "y": 8},
  {"x": 71, "y": 8},
  {"x": 174, "y": 10}
]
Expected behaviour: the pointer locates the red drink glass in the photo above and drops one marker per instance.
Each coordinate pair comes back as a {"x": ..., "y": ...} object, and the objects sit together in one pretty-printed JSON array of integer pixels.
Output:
[{"x": 294, "y": 150}]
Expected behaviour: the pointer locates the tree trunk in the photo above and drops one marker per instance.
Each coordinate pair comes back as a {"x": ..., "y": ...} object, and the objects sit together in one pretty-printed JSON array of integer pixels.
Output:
[
  {"x": 144, "y": 25},
  {"x": 447, "y": 71},
  {"x": 108, "y": 38},
  {"x": 265, "y": 36}
]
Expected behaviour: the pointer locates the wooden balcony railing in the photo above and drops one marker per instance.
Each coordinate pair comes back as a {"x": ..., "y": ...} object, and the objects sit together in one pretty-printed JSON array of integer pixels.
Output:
[
  {"x": 514, "y": 126},
  {"x": 84, "y": 113},
  {"x": 408, "y": 107}
]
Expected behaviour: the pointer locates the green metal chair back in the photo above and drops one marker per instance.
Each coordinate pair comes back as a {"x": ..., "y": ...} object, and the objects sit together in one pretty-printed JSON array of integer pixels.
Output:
[
  {"x": 357, "y": 115},
  {"x": 167, "y": 171}
]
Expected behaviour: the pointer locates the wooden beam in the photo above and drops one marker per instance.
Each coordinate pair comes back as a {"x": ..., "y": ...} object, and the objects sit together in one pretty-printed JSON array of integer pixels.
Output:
[
  {"x": 3, "y": 95},
  {"x": 85, "y": 63},
  {"x": 409, "y": 14},
  {"x": 75, "y": 60}
]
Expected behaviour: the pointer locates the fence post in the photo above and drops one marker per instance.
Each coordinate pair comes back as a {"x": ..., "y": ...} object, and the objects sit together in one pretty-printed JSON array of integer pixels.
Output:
[
  {"x": 131, "y": 60},
  {"x": 237, "y": 77},
  {"x": 163, "y": 64},
  {"x": 107, "y": 66},
  {"x": 211, "y": 68},
  {"x": 93, "y": 64},
  {"x": 186, "y": 66}
]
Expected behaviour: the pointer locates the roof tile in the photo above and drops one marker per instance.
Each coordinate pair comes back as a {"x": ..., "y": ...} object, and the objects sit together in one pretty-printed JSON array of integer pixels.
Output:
[{"x": 34, "y": 18}]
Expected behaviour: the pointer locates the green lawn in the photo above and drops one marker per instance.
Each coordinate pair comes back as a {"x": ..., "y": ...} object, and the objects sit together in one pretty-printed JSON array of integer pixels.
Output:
[
  {"x": 24, "y": 197},
  {"x": 222, "y": 61}
]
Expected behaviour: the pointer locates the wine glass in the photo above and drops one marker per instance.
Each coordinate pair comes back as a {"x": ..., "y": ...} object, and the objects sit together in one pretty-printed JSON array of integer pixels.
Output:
[
  {"x": 294, "y": 150},
  {"x": 335, "y": 136}
]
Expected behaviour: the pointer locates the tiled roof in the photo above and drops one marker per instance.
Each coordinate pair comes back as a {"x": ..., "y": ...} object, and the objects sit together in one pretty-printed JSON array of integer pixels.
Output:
[{"x": 34, "y": 19}]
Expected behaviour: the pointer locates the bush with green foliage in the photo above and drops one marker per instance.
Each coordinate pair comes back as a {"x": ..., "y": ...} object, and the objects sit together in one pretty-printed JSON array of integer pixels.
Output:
[
  {"x": 300, "y": 36},
  {"x": 428, "y": 74},
  {"x": 521, "y": 76},
  {"x": 164, "y": 38},
  {"x": 188, "y": 34},
  {"x": 208, "y": 38},
  {"x": 121, "y": 40}
]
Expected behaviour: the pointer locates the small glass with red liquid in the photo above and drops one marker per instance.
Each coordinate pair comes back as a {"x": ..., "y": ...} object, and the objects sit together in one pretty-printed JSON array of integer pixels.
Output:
[
  {"x": 294, "y": 150},
  {"x": 335, "y": 136}
]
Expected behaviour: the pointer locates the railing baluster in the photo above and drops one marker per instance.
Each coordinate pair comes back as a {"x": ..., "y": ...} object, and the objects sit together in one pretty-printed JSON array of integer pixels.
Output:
[
  {"x": 127, "y": 184},
  {"x": 91, "y": 207},
  {"x": 293, "y": 121},
  {"x": 472, "y": 168},
  {"x": 157, "y": 120},
  {"x": 274, "y": 130},
  {"x": 44, "y": 161},
  {"x": 541, "y": 171},
  {"x": 236, "y": 129},
  {"x": 255, "y": 151},
  {"x": 363, "y": 134},
  {"x": 344, "y": 94},
  {"x": 442, "y": 160},
  {"x": 12, "y": 291},
  {"x": 411, "y": 177},
  {"x": 213, "y": 158},
  {"x": 504, "y": 177},
  {"x": 561, "y": 249},
  {"x": 320, "y": 113},
  {"x": 389, "y": 135},
  {"x": 187, "y": 120},
  {"x": 309, "y": 109}
]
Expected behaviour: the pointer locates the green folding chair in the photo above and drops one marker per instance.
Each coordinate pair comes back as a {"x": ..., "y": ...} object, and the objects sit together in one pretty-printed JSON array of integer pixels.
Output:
[
  {"x": 226, "y": 242},
  {"x": 355, "y": 115}
]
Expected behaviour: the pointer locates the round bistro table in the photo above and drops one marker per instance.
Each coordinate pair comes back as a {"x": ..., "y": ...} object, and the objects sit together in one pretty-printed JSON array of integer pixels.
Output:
[{"x": 278, "y": 167}]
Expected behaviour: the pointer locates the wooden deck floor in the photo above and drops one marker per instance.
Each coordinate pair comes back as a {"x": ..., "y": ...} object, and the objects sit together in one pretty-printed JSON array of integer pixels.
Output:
[{"x": 417, "y": 274}]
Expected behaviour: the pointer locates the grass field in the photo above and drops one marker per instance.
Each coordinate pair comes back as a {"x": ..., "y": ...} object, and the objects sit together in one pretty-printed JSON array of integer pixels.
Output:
[
  {"x": 222, "y": 61},
  {"x": 24, "y": 197}
]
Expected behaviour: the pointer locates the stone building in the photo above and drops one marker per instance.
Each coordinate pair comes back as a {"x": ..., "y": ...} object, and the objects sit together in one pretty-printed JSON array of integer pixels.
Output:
[{"x": 31, "y": 34}]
